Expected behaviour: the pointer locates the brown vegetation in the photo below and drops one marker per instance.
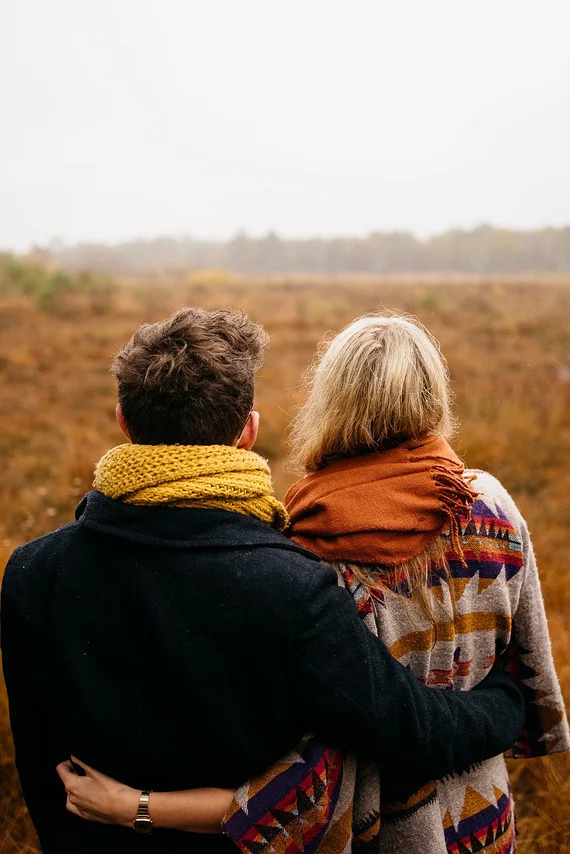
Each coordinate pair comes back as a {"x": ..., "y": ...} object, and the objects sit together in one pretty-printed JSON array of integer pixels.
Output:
[{"x": 508, "y": 346}]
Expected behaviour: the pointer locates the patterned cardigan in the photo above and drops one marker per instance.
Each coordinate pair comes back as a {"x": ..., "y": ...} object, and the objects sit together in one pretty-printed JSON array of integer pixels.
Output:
[{"x": 322, "y": 799}]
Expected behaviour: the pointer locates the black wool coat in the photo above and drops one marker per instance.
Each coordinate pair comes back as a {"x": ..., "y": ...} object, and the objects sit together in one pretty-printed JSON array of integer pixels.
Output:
[{"x": 174, "y": 648}]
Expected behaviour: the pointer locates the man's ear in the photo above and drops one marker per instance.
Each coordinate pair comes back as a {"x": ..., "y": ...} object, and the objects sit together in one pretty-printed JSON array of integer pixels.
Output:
[
  {"x": 121, "y": 422},
  {"x": 249, "y": 433}
]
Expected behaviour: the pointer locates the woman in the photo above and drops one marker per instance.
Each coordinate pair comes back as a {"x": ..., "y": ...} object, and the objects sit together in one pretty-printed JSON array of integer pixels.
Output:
[{"x": 441, "y": 567}]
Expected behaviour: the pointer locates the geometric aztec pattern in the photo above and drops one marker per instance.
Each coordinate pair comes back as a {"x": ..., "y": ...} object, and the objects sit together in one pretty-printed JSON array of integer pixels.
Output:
[
  {"x": 484, "y": 826},
  {"x": 289, "y": 810},
  {"x": 301, "y": 803}
]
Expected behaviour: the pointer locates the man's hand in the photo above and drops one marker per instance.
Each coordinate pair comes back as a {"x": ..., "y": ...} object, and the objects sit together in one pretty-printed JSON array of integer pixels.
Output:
[{"x": 96, "y": 797}]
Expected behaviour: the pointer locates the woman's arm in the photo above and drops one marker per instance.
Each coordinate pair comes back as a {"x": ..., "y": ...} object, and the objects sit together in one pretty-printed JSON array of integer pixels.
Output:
[
  {"x": 97, "y": 797},
  {"x": 545, "y": 728}
]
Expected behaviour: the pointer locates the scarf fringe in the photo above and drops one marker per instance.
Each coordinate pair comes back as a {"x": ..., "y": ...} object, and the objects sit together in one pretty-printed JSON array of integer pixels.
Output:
[{"x": 456, "y": 497}]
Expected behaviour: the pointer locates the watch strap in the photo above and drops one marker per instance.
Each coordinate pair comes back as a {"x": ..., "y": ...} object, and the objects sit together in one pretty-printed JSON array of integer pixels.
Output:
[
  {"x": 144, "y": 800},
  {"x": 142, "y": 822}
]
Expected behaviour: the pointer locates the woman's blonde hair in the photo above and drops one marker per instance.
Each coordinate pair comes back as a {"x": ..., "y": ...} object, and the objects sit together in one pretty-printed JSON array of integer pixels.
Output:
[{"x": 379, "y": 382}]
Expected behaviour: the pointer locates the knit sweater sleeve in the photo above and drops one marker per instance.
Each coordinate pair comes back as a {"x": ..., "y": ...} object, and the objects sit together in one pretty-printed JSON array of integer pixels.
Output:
[
  {"x": 351, "y": 692},
  {"x": 530, "y": 662}
]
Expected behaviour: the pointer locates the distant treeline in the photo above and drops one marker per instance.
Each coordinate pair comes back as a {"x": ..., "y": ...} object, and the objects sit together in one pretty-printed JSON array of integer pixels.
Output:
[{"x": 482, "y": 250}]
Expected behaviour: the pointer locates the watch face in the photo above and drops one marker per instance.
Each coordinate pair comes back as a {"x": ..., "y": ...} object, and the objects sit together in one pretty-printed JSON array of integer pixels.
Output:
[{"x": 142, "y": 825}]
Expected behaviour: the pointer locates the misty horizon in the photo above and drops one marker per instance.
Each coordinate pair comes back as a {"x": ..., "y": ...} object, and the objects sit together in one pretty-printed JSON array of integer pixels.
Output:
[
  {"x": 481, "y": 250},
  {"x": 57, "y": 242}
]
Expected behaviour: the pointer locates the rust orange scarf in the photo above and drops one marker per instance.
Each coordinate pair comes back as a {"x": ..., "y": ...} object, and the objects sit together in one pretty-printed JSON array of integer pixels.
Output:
[{"x": 382, "y": 508}]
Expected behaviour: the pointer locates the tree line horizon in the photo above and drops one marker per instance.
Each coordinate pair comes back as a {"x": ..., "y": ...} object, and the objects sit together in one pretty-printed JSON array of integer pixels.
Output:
[{"x": 481, "y": 250}]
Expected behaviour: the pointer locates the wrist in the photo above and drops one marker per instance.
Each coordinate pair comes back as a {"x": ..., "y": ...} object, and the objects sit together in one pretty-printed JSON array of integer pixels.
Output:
[{"x": 128, "y": 804}]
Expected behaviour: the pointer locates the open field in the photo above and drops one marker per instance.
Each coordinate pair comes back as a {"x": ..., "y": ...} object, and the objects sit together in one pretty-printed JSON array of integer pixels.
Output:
[{"x": 508, "y": 345}]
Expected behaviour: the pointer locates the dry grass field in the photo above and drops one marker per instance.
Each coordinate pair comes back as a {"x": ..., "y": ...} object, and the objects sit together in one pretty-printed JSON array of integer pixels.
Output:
[{"x": 508, "y": 345}]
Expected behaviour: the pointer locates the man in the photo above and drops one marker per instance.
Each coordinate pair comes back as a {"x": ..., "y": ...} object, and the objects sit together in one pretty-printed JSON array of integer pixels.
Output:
[{"x": 172, "y": 638}]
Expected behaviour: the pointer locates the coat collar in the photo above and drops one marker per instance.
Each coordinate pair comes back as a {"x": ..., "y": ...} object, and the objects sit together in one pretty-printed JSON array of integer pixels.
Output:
[{"x": 179, "y": 527}]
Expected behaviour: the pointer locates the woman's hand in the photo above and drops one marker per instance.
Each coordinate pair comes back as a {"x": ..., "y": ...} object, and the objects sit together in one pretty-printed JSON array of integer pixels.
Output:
[{"x": 96, "y": 797}]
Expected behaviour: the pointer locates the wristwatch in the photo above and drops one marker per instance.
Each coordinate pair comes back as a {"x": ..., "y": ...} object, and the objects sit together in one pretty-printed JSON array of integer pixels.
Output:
[{"x": 142, "y": 822}]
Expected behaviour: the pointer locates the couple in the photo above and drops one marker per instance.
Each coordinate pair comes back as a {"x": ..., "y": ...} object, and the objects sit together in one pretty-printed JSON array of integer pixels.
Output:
[{"x": 174, "y": 639}]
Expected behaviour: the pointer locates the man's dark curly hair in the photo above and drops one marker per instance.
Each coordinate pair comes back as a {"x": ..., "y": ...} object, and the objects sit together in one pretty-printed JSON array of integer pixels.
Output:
[{"x": 189, "y": 379}]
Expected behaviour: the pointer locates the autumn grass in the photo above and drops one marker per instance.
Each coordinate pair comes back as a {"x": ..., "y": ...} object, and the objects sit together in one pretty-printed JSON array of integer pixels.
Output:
[{"x": 508, "y": 345}]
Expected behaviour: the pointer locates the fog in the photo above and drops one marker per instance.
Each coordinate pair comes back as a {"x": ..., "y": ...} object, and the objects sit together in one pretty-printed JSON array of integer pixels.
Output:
[{"x": 134, "y": 118}]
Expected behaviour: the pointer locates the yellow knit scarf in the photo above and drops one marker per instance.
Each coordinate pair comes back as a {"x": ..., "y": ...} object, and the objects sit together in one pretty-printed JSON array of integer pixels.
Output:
[{"x": 210, "y": 476}]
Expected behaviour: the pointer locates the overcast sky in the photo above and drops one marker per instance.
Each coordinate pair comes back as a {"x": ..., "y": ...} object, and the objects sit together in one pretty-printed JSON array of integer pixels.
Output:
[{"x": 128, "y": 118}]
